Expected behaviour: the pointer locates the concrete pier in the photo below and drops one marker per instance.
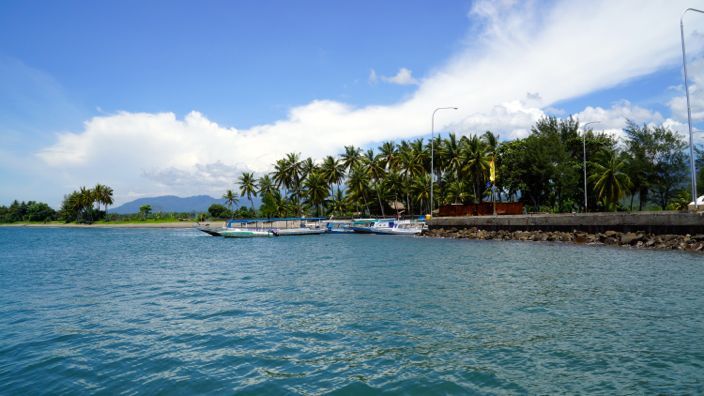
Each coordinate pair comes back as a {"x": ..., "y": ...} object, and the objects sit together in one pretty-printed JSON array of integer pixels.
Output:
[{"x": 649, "y": 222}]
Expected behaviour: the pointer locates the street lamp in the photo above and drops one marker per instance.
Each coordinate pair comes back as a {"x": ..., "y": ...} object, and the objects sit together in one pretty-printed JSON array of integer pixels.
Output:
[
  {"x": 584, "y": 147},
  {"x": 432, "y": 151},
  {"x": 689, "y": 111}
]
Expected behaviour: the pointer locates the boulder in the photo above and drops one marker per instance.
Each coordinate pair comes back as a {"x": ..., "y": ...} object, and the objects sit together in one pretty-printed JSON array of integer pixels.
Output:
[{"x": 630, "y": 238}]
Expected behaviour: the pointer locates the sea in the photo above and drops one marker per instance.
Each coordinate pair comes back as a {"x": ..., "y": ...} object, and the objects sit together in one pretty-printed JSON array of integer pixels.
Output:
[{"x": 175, "y": 311}]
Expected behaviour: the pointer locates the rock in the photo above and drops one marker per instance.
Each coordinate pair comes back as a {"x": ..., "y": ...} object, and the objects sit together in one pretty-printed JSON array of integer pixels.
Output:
[
  {"x": 611, "y": 234},
  {"x": 630, "y": 238}
]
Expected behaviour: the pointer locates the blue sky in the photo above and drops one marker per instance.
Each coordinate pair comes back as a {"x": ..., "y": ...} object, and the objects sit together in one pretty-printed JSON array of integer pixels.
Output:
[{"x": 178, "y": 97}]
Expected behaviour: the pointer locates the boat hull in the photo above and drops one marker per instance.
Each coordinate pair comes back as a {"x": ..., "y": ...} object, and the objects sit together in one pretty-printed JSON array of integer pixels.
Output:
[
  {"x": 246, "y": 234},
  {"x": 396, "y": 231},
  {"x": 298, "y": 231},
  {"x": 212, "y": 231}
]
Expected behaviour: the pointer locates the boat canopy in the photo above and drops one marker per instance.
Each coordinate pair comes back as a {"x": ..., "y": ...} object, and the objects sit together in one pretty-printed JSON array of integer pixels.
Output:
[{"x": 273, "y": 219}]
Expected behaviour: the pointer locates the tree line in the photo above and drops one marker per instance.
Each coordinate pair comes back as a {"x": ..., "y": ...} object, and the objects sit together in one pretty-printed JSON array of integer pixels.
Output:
[
  {"x": 84, "y": 205},
  {"x": 647, "y": 169},
  {"x": 27, "y": 211}
]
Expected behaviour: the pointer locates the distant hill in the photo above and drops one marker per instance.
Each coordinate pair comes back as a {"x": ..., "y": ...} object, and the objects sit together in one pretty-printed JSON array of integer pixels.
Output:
[
  {"x": 172, "y": 203},
  {"x": 169, "y": 203}
]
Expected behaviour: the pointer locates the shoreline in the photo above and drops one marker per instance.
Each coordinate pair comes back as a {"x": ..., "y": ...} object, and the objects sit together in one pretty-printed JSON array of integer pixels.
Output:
[
  {"x": 185, "y": 224},
  {"x": 637, "y": 240}
]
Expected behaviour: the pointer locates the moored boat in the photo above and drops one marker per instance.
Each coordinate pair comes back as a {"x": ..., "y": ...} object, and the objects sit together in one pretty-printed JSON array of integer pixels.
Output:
[
  {"x": 339, "y": 226},
  {"x": 368, "y": 226},
  {"x": 246, "y": 233},
  {"x": 400, "y": 227},
  {"x": 212, "y": 231},
  {"x": 297, "y": 231},
  {"x": 305, "y": 226}
]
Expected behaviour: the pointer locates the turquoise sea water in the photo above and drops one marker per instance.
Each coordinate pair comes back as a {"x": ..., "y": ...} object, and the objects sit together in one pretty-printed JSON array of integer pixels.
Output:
[{"x": 178, "y": 312}]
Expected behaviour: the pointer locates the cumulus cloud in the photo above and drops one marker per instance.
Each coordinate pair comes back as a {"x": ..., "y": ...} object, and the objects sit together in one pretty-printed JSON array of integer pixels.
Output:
[
  {"x": 678, "y": 104},
  {"x": 522, "y": 47},
  {"x": 403, "y": 77}
]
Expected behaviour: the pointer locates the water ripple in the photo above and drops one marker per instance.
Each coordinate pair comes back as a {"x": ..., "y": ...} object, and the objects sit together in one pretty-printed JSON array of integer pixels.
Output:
[{"x": 172, "y": 311}]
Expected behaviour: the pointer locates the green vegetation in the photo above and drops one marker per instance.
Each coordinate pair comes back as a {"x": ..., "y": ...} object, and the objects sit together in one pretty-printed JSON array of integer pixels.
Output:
[
  {"x": 83, "y": 206},
  {"x": 544, "y": 170},
  {"x": 27, "y": 212},
  {"x": 647, "y": 170},
  {"x": 217, "y": 211}
]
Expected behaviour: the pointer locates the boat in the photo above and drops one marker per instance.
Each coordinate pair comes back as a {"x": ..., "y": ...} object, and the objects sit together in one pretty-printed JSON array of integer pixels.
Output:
[
  {"x": 400, "y": 227},
  {"x": 339, "y": 226},
  {"x": 301, "y": 226},
  {"x": 297, "y": 231},
  {"x": 368, "y": 226},
  {"x": 212, "y": 231},
  {"x": 246, "y": 233},
  {"x": 246, "y": 228}
]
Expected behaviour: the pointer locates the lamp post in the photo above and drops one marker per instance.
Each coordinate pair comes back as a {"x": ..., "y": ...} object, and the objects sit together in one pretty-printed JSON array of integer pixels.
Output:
[
  {"x": 584, "y": 147},
  {"x": 432, "y": 151},
  {"x": 689, "y": 111}
]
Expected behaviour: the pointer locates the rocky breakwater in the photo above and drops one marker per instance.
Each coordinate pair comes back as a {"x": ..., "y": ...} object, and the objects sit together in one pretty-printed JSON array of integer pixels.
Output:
[{"x": 642, "y": 240}]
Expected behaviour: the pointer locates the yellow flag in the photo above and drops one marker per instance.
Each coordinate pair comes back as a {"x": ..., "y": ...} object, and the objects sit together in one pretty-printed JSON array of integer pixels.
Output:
[{"x": 492, "y": 171}]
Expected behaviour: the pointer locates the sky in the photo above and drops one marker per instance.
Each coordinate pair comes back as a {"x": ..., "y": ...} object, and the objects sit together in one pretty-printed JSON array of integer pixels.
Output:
[{"x": 176, "y": 97}]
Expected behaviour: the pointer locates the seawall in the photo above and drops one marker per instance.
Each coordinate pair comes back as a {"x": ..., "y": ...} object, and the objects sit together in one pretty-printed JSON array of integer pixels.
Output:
[{"x": 657, "y": 223}]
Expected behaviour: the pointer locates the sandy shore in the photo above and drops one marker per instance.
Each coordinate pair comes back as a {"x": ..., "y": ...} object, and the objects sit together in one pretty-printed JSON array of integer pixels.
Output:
[{"x": 181, "y": 224}]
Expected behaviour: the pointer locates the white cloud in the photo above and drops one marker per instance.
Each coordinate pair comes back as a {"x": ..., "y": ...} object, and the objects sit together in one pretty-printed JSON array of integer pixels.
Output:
[
  {"x": 403, "y": 77},
  {"x": 617, "y": 115},
  {"x": 678, "y": 104},
  {"x": 511, "y": 120},
  {"x": 372, "y": 77},
  {"x": 522, "y": 48}
]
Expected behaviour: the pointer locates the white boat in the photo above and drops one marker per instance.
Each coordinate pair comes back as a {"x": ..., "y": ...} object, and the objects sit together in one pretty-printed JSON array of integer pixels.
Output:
[
  {"x": 369, "y": 226},
  {"x": 339, "y": 226},
  {"x": 400, "y": 227},
  {"x": 246, "y": 233}
]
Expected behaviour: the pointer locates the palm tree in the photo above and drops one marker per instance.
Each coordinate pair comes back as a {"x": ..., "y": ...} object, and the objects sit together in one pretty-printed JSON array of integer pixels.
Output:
[
  {"x": 280, "y": 174},
  {"x": 358, "y": 184},
  {"x": 420, "y": 187},
  {"x": 307, "y": 166},
  {"x": 457, "y": 192},
  {"x": 293, "y": 173},
  {"x": 450, "y": 154},
  {"x": 389, "y": 155},
  {"x": 333, "y": 171},
  {"x": 248, "y": 186},
  {"x": 476, "y": 164},
  {"x": 337, "y": 204},
  {"x": 103, "y": 195},
  {"x": 394, "y": 184},
  {"x": 375, "y": 169},
  {"x": 610, "y": 181},
  {"x": 231, "y": 199},
  {"x": 351, "y": 157},
  {"x": 85, "y": 201},
  {"x": 491, "y": 141},
  {"x": 266, "y": 186},
  {"x": 316, "y": 190}
]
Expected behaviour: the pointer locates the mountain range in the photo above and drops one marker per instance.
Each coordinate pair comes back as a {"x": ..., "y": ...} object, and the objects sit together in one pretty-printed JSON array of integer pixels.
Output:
[{"x": 169, "y": 203}]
